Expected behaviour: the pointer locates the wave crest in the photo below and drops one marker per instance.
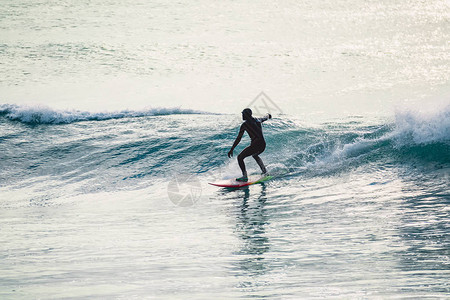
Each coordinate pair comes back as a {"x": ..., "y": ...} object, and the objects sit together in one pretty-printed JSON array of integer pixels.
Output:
[
  {"x": 413, "y": 128},
  {"x": 38, "y": 114}
]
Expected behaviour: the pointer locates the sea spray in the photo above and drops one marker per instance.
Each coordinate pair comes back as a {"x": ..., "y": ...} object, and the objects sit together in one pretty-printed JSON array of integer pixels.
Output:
[{"x": 412, "y": 127}]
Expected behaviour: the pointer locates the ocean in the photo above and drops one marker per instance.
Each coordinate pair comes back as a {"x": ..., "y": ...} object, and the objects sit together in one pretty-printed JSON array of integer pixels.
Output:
[{"x": 115, "y": 116}]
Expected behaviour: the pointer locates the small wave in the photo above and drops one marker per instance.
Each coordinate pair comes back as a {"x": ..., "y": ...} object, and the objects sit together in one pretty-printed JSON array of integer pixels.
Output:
[
  {"x": 291, "y": 148},
  {"x": 38, "y": 114}
]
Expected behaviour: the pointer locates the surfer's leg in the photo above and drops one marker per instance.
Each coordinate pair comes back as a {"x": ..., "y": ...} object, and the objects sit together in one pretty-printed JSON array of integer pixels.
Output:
[
  {"x": 242, "y": 166},
  {"x": 260, "y": 163},
  {"x": 260, "y": 149},
  {"x": 245, "y": 153}
]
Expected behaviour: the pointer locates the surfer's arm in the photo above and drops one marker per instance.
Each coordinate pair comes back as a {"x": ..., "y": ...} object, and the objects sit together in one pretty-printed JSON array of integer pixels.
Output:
[
  {"x": 238, "y": 139},
  {"x": 265, "y": 118}
]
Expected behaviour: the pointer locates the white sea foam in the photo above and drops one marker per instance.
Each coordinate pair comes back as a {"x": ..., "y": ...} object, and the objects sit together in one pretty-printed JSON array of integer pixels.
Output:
[
  {"x": 38, "y": 114},
  {"x": 413, "y": 127}
]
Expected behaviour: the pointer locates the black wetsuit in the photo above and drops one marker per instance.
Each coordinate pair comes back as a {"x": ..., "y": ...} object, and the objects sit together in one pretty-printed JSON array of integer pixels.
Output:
[{"x": 257, "y": 145}]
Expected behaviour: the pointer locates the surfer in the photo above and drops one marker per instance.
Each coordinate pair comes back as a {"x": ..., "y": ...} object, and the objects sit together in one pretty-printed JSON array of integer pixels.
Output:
[{"x": 257, "y": 145}]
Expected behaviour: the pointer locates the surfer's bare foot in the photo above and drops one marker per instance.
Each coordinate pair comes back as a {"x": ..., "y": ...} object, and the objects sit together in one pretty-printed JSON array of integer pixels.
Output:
[{"x": 243, "y": 178}]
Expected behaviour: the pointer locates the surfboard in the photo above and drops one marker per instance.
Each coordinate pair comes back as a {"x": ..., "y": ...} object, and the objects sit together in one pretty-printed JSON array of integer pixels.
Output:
[{"x": 232, "y": 183}]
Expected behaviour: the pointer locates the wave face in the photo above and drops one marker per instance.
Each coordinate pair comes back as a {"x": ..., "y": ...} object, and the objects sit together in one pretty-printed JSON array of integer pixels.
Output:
[{"x": 131, "y": 148}]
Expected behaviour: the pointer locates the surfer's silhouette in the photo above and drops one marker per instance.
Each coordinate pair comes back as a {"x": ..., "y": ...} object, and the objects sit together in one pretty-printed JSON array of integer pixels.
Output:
[{"x": 257, "y": 145}]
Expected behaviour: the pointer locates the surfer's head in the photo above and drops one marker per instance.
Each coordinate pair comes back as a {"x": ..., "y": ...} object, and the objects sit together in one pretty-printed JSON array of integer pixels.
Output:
[{"x": 246, "y": 114}]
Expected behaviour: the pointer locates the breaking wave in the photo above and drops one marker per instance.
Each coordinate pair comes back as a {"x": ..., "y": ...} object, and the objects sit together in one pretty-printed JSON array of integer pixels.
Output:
[{"x": 45, "y": 115}]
